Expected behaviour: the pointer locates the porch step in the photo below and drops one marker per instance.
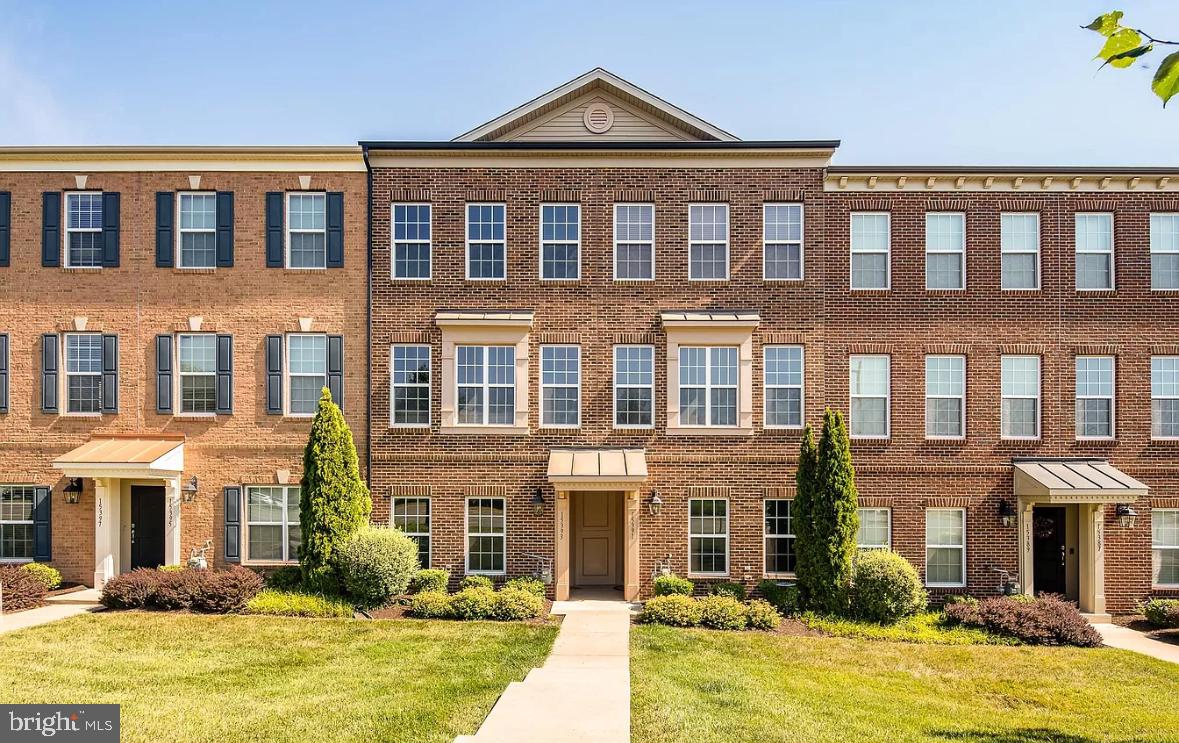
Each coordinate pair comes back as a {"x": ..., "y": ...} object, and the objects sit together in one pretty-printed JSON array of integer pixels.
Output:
[{"x": 85, "y": 597}]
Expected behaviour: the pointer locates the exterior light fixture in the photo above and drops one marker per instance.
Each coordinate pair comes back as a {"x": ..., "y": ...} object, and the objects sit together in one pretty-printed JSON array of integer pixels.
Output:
[
  {"x": 1006, "y": 512},
  {"x": 655, "y": 504},
  {"x": 73, "y": 490},
  {"x": 1126, "y": 516},
  {"x": 538, "y": 502},
  {"x": 189, "y": 490}
]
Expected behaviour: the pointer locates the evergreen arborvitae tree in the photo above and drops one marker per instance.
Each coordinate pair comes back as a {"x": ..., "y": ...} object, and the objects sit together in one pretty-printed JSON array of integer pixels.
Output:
[
  {"x": 803, "y": 516},
  {"x": 334, "y": 502},
  {"x": 835, "y": 518}
]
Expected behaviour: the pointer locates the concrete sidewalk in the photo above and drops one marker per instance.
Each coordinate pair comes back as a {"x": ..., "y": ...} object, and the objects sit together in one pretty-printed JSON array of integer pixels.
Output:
[
  {"x": 62, "y": 606},
  {"x": 1125, "y": 638}
]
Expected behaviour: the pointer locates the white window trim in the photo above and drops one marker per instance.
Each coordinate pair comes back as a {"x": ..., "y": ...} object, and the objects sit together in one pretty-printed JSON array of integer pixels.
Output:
[
  {"x": 428, "y": 534},
  {"x": 67, "y": 230},
  {"x": 961, "y": 398},
  {"x": 467, "y": 239},
  {"x": 1112, "y": 397},
  {"x": 766, "y": 537},
  {"x": 961, "y": 250},
  {"x": 1113, "y": 282},
  {"x": 393, "y": 241},
  {"x": 246, "y": 524},
  {"x": 726, "y": 535},
  {"x": 1155, "y": 546},
  {"x": 467, "y": 536},
  {"x": 180, "y": 411},
  {"x": 851, "y": 395},
  {"x": 801, "y": 241},
  {"x": 726, "y": 242},
  {"x": 1039, "y": 397},
  {"x": 928, "y": 546},
  {"x": 487, "y": 385},
  {"x": 287, "y": 375},
  {"x": 650, "y": 242},
  {"x": 22, "y": 522},
  {"x": 64, "y": 384},
  {"x": 888, "y": 544},
  {"x": 1038, "y": 253},
  {"x": 287, "y": 231},
  {"x": 708, "y": 386},
  {"x": 1153, "y": 398},
  {"x": 544, "y": 385},
  {"x": 1154, "y": 252},
  {"x": 887, "y": 252},
  {"x": 181, "y": 231},
  {"x": 614, "y": 386},
  {"x": 429, "y": 385},
  {"x": 766, "y": 386},
  {"x": 541, "y": 242}
]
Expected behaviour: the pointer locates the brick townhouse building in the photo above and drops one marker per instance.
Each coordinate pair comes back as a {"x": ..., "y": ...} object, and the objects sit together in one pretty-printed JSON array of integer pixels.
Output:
[{"x": 167, "y": 319}]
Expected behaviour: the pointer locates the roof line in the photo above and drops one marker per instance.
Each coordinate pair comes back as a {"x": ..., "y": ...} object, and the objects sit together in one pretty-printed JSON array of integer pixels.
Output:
[
  {"x": 808, "y": 144},
  {"x": 1078, "y": 169}
]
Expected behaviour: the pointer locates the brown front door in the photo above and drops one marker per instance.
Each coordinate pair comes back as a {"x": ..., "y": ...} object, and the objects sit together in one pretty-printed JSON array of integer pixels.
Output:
[{"x": 596, "y": 519}]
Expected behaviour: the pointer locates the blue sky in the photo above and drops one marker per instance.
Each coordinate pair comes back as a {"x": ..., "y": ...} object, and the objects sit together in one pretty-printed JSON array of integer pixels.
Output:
[{"x": 1004, "y": 81}]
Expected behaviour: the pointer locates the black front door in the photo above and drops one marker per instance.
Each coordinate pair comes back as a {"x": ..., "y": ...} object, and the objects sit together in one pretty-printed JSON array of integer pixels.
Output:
[
  {"x": 147, "y": 526},
  {"x": 1048, "y": 549}
]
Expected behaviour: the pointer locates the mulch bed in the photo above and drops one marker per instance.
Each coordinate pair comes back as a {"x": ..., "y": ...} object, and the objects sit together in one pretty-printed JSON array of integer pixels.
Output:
[{"x": 1139, "y": 623}]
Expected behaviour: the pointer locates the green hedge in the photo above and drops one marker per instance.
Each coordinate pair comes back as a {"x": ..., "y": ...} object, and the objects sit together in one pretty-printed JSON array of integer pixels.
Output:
[
  {"x": 297, "y": 604},
  {"x": 673, "y": 585}
]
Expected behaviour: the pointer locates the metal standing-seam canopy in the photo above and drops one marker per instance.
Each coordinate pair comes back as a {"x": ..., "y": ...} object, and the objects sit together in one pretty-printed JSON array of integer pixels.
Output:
[
  {"x": 1075, "y": 481},
  {"x": 603, "y": 465}
]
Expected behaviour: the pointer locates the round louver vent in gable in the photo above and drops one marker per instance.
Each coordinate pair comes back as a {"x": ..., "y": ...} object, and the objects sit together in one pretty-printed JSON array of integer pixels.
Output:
[{"x": 598, "y": 117}]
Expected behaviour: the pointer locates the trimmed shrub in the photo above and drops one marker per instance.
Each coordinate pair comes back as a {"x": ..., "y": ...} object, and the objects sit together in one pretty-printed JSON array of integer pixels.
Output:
[
  {"x": 376, "y": 565},
  {"x": 1046, "y": 620},
  {"x": 286, "y": 578},
  {"x": 783, "y": 598},
  {"x": 762, "y": 615},
  {"x": 131, "y": 590},
  {"x": 172, "y": 568},
  {"x": 885, "y": 587},
  {"x": 46, "y": 574},
  {"x": 323, "y": 580},
  {"x": 728, "y": 588},
  {"x": 297, "y": 604},
  {"x": 177, "y": 589},
  {"x": 514, "y": 604},
  {"x": 429, "y": 580},
  {"x": 673, "y": 585},
  {"x": 476, "y": 581},
  {"x": 723, "y": 612},
  {"x": 23, "y": 589},
  {"x": 673, "y": 609},
  {"x": 529, "y": 584},
  {"x": 1161, "y": 612},
  {"x": 473, "y": 603},
  {"x": 224, "y": 591},
  {"x": 430, "y": 605}
]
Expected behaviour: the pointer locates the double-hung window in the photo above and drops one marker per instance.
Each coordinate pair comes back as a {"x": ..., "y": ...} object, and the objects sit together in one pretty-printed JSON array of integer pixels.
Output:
[
  {"x": 1020, "y": 381},
  {"x": 634, "y": 242},
  {"x": 486, "y": 385},
  {"x": 875, "y": 532},
  {"x": 708, "y": 242},
  {"x": 708, "y": 536},
  {"x": 708, "y": 385},
  {"x": 560, "y": 386},
  {"x": 945, "y": 250},
  {"x": 782, "y": 242},
  {"x": 560, "y": 242},
  {"x": 83, "y": 233},
  {"x": 945, "y": 397},
  {"x": 411, "y": 385},
  {"x": 306, "y": 230},
  {"x": 1164, "y": 397},
  {"x": 871, "y": 244},
  {"x": 945, "y": 547},
  {"x": 16, "y": 522},
  {"x": 411, "y": 241},
  {"x": 1095, "y": 252},
  {"x": 1164, "y": 252},
  {"x": 783, "y": 386},
  {"x": 1164, "y": 530},
  {"x": 1095, "y": 397},
  {"x": 308, "y": 372},
  {"x": 779, "y": 537},
  {"x": 634, "y": 386},
  {"x": 486, "y": 244},
  {"x": 412, "y": 517},
  {"x": 1019, "y": 248},
  {"x": 486, "y": 530},
  {"x": 198, "y": 372},
  {"x": 870, "y": 383},
  {"x": 83, "y": 370},
  {"x": 198, "y": 230},
  {"x": 272, "y": 523}
]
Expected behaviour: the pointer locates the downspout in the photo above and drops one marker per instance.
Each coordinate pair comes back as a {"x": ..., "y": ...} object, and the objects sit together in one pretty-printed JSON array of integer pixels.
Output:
[{"x": 368, "y": 338}]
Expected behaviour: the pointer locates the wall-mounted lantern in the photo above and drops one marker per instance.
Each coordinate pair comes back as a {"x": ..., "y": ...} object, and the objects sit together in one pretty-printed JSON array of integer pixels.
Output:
[
  {"x": 537, "y": 502},
  {"x": 656, "y": 503},
  {"x": 1006, "y": 512},
  {"x": 73, "y": 490},
  {"x": 188, "y": 491},
  {"x": 1127, "y": 516}
]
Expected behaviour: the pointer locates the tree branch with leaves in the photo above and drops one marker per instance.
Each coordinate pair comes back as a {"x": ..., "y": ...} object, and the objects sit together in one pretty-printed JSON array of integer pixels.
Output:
[{"x": 1124, "y": 44}]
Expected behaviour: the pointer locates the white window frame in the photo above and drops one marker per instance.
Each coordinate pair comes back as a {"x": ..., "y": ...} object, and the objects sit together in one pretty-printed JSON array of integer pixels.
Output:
[
  {"x": 1113, "y": 283},
  {"x": 801, "y": 241},
  {"x": 851, "y": 395},
  {"x": 467, "y": 240},
  {"x": 726, "y": 242},
  {"x": 1154, "y": 397},
  {"x": 887, "y": 251},
  {"x": 766, "y": 386},
  {"x": 650, "y": 242},
  {"x": 1039, "y": 397},
  {"x": 545, "y": 385},
  {"x": 286, "y": 524},
  {"x": 64, "y": 390},
  {"x": 181, "y": 230},
  {"x": 766, "y": 537},
  {"x": 615, "y": 387},
  {"x": 725, "y": 536},
  {"x": 1038, "y": 252},
  {"x": 888, "y": 523},
  {"x": 960, "y": 398},
  {"x": 542, "y": 242},
  {"x": 31, "y": 521},
  {"x": 288, "y": 374},
  {"x": 429, "y": 385},
  {"x": 708, "y": 386},
  {"x": 467, "y": 535},
  {"x": 928, "y": 546},
  {"x": 67, "y": 230},
  {"x": 1156, "y": 546},
  {"x": 180, "y": 374},
  {"x": 486, "y": 385},
  {"x": 394, "y": 242},
  {"x": 1112, "y": 397},
  {"x": 428, "y": 534},
  {"x": 1170, "y": 216},
  {"x": 960, "y": 251},
  {"x": 287, "y": 231}
]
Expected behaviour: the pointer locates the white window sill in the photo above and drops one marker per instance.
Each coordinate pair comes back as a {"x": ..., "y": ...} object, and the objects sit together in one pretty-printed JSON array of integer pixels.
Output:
[
  {"x": 634, "y": 429},
  {"x": 294, "y": 417},
  {"x": 779, "y": 576},
  {"x": 423, "y": 427},
  {"x": 196, "y": 416},
  {"x": 81, "y": 415},
  {"x": 945, "y": 585},
  {"x": 709, "y": 431},
  {"x": 708, "y": 576},
  {"x": 650, "y": 280},
  {"x": 485, "y": 430},
  {"x": 16, "y": 560},
  {"x": 486, "y": 573},
  {"x": 268, "y": 563}
]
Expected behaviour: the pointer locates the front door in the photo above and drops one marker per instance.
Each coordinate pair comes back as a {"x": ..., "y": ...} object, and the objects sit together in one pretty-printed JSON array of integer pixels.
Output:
[
  {"x": 147, "y": 526},
  {"x": 1048, "y": 549},
  {"x": 595, "y": 538}
]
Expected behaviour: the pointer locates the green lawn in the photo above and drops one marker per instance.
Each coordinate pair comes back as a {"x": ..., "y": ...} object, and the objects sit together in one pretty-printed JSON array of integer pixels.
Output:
[
  {"x": 248, "y": 678},
  {"x": 709, "y": 687}
]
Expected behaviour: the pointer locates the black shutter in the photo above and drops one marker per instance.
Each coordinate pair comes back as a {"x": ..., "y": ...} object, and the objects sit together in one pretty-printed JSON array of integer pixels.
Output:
[
  {"x": 335, "y": 368},
  {"x": 3, "y": 373},
  {"x": 110, "y": 229},
  {"x": 233, "y": 523},
  {"x": 165, "y": 235},
  {"x": 274, "y": 230},
  {"x": 49, "y": 357},
  {"x": 224, "y": 374},
  {"x": 51, "y": 229},
  {"x": 5, "y": 228},
  {"x": 274, "y": 375},
  {"x": 110, "y": 373},
  {"x": 224, "y": 229},
  {"x": 335, "y": 230},
  {"x": 42, "y": 543},
  {"x": 163, "y": 374}
]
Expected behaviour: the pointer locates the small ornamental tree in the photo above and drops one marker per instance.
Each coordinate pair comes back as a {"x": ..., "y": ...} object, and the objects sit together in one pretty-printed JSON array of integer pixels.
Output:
[
  {"x": 335, "y": 502},
  {"x": 803, "y": 516},
  {"x": 836, "y": 520}
]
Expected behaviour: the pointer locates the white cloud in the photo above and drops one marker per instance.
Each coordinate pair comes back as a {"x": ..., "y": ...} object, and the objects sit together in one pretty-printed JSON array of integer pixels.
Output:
[{"x": 29, "y": 110}]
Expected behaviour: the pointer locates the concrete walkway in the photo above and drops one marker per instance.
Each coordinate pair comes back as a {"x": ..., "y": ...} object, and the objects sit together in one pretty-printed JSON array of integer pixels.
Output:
[
  {"x": 1125, "y": 638},
  {"x": 581, "y": 693},
  {"x": 62, "y": 606}
]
